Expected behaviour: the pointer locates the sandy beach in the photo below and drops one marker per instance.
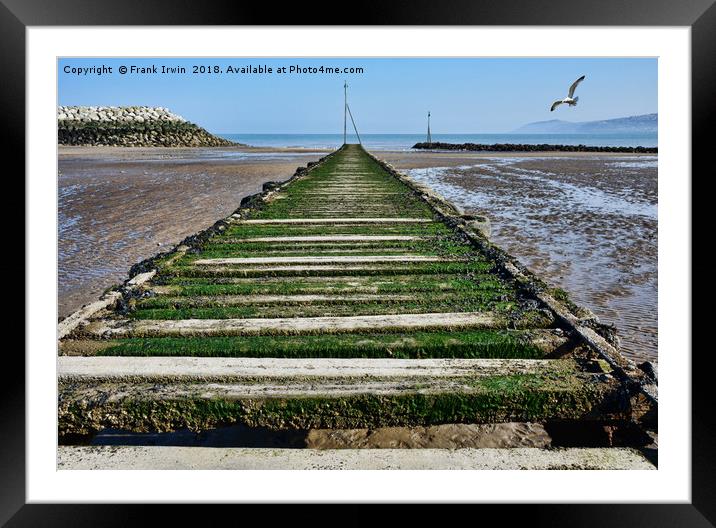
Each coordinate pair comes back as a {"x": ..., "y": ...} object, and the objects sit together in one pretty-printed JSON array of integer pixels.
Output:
[{"x": 118, "y": 206}]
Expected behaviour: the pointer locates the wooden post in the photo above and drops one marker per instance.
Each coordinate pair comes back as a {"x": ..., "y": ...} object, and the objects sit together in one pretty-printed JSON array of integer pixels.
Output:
[{"x": 430, "y": 139}]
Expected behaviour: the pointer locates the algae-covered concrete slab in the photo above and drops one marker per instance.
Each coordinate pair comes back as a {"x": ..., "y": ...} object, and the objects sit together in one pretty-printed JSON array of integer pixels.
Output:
[{"x": 95, "y": 395}]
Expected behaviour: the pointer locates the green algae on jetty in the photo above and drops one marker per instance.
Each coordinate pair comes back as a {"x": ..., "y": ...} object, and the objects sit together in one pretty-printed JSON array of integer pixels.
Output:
[{"x": 347, "y": 262}]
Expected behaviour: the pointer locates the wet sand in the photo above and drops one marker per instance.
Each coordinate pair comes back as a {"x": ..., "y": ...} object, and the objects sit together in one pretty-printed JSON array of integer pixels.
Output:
[
  {"x": 118, "y": 206},
  {"x": 584, "y": 222}
]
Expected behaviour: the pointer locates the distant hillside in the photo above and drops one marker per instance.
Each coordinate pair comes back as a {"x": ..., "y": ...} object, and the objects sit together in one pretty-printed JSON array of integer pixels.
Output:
[
  {"x": 641, "y": 124},
  {"x": 130, "y": 126}
]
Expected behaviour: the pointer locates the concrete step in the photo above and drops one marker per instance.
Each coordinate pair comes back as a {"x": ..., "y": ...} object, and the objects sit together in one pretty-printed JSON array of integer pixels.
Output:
[
  {"x": 339, "y": 220},
  {"x": 239, "y": 300},
  {"x": 357, "y": 281},
  {"x": 268, "y": 243},
  {"x": 335, "y": 238},
  {"x": 318, "y": 270},
  {"x": 320, "y": 259},
  {"x": 171, "y": 369},
  {"x": 325, "y": 249},
  {"x": 366, "y": 323},
  {"x": 331, "y": 195}
]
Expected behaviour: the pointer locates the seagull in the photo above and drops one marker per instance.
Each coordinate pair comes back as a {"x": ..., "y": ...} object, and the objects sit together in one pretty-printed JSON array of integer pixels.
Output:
[{"x": 568, "y": 100}]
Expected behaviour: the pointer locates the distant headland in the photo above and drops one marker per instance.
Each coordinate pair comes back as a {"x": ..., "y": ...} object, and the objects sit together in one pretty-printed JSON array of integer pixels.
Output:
[{"x": 639, "y": 124}]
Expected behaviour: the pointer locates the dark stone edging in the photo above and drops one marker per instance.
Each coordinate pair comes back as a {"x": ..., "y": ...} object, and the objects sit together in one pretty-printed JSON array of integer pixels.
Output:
[{"x": 523, "y": 147}]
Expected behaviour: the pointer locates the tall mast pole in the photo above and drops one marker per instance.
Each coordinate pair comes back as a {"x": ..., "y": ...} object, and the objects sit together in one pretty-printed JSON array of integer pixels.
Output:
[
  {"x": 345, "y": 108},
  {"x": 430, "y": 139}
]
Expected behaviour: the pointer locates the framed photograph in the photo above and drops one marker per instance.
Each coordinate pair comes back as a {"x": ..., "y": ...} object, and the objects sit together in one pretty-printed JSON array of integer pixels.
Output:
[{"x": 429, "y": 255}]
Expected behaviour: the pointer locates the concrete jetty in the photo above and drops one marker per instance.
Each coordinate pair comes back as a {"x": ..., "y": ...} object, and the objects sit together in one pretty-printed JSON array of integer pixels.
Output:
[{"x": 347, "y": 297}]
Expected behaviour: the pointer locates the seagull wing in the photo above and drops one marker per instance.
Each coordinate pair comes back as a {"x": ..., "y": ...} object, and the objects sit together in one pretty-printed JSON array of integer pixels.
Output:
[
  {"x": 555, "y": 105},
  {"x": 574, "y": 85}
]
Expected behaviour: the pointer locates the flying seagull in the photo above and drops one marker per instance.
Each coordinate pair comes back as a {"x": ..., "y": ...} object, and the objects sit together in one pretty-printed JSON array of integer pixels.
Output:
[{"x": 568, "y": 100}]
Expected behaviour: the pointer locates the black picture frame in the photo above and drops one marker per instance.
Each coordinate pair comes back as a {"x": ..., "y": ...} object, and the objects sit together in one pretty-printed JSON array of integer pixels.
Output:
[{"x": 699, "y": 15}]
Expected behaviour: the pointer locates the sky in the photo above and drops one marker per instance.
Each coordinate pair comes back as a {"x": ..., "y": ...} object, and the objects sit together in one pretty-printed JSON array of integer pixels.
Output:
[{"x": 464, "y": 95}]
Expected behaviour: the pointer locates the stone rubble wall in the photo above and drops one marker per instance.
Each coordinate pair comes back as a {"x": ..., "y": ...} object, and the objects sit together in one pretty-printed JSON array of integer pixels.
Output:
[
  {"x": 130, "y": 126},
  {"x": 138, "y": 114},
  {"x": 519, "y": 147}
]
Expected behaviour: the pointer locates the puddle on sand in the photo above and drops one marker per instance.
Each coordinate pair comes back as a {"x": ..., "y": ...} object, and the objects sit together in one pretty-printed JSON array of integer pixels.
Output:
[
  {"x": 445, "y": 436},
  {"x": 585, "y": 224}
]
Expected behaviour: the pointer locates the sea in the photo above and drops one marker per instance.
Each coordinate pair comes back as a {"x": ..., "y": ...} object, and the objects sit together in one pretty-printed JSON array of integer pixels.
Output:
[{"x": 406, "y": 141}]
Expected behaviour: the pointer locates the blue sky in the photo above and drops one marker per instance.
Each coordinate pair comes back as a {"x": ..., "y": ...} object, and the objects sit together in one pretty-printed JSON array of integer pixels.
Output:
[{"x": 390, "y": 96}]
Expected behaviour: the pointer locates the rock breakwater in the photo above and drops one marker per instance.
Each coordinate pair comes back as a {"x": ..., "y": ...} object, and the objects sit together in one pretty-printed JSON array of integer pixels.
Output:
[
  {"x": 522, "y": 147},
  {"x": 130, "y": 126}
]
